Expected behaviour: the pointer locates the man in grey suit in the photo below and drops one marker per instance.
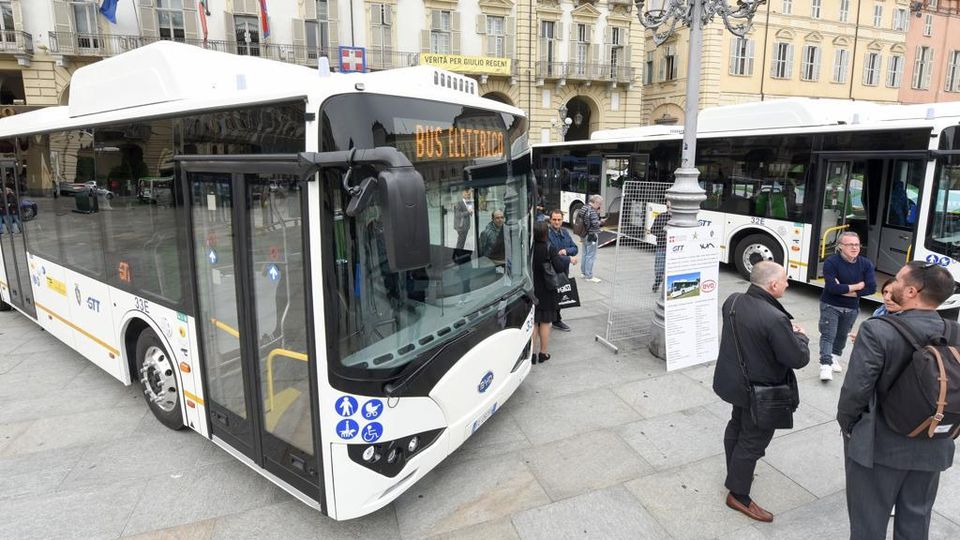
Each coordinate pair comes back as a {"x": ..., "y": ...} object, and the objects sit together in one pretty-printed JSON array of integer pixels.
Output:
[{"x": 883, "y": 468}]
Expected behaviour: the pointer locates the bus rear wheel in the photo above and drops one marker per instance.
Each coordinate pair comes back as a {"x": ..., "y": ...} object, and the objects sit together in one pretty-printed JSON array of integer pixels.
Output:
[
  {"x": 158, "y": 379},
  {"x": 753, "y": 249}
]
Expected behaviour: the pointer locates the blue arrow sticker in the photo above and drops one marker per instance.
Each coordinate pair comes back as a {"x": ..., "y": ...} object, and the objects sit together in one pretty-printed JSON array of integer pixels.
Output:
[
  {"x": 273, "y": 272},
  {"x": 212, "y": 256},
  {"x": 372, "y": 409},
  {"x": 372, "y": 431},
  {"x": 347, "y": 429},
  {"x": 346, "y": 406}
]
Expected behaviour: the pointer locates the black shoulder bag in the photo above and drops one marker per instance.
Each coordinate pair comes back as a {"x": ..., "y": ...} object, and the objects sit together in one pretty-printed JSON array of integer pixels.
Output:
[{"x": 771, "y": 406}]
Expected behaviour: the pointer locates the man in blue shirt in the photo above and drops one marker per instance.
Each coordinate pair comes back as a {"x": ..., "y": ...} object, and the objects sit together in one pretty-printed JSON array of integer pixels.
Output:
[
  {"x": 560, "y": 239},
  {"x": 847, "y": 276}
]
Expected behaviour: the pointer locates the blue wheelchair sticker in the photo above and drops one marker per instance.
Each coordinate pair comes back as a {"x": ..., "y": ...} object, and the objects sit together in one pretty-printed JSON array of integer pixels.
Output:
[
  {"x": 347, "y": 429},
  {"x": 372, "y": 409},
  {"x": 372, "y": 431},
  {"x": 346, "y": 406}
]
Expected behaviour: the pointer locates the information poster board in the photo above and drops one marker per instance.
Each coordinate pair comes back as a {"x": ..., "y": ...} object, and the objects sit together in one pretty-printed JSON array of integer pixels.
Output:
[{"x": 690, "y": 290}]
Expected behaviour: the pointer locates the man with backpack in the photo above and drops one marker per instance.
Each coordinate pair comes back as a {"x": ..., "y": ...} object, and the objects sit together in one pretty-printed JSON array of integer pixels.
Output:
[
  {"x": 587, "y": 225},
  {"x": 890, "y": 462}
]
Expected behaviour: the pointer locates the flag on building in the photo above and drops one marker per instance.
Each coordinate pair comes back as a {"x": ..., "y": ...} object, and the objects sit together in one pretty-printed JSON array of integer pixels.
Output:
[
  {"x": 204, "y": 11},
  {"x": 109, "y": 10},
  {"x": 264, "y": 22}
]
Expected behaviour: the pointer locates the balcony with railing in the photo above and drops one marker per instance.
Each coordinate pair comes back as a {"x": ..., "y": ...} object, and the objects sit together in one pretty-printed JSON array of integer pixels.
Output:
[
  {"x": 19, "y": 44},
  {"x": 585, "y": 71}
]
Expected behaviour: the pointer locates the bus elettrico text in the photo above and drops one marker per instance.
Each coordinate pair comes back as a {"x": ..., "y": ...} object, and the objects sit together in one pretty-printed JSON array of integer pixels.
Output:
[
  {"x": 301, "y": 299},
  {"x": 784, "y": 178}
]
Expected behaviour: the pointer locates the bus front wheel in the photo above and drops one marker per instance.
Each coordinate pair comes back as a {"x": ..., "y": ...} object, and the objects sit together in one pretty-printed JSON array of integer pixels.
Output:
[
  {"x": 158, "y": 379},
  {"x": 753, "y": 249}
]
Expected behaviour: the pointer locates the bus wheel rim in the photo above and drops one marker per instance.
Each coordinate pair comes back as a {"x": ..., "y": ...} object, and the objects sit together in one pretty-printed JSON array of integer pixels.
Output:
[
  {"x": 158, "y": 378},
  {"x": 756, "y": 253}
]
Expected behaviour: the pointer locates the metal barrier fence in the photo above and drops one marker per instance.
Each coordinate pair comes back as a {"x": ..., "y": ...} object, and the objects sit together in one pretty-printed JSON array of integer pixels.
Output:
[{"x": 633, "y": 300}]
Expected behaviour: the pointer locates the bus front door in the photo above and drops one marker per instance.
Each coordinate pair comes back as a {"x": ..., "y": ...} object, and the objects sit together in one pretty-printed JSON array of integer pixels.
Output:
[
  {"x": 249, "y": 239},
  {"x": 15, "y": 211},
  {"x": 899, "y": 217},
  {"x": 844, "y": 205}
]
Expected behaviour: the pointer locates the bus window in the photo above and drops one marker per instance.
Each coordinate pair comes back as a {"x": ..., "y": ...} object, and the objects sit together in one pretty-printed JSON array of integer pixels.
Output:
[
  {"x": 78, "y": 206},
  {"x": 943, "y": 233}
]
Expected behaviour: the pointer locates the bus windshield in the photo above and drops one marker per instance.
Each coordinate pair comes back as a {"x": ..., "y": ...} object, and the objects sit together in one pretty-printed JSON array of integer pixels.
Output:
[
  {"x": 944, "y": 228},
  {"x": 476, "y": 189}
]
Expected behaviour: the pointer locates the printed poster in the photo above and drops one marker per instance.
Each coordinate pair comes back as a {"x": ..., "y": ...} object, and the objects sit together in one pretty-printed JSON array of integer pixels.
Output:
[{"x": 691, "y": 294}]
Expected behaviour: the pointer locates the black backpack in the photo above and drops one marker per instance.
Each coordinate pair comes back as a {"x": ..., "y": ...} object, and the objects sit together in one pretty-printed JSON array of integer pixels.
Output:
[
  {"x": 580, "y": 222},
  {"x": 925, "y": 396}
]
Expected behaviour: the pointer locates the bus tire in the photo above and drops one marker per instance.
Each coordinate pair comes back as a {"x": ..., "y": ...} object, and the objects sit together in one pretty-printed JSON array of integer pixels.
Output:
[
  {"x": 574, "y": 208},
  {"x": 156, "y": 372},
  {"x": 754, "y": 248}
]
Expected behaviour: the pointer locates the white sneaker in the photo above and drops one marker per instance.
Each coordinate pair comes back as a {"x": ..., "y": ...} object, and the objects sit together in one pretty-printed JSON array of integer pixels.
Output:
[
  {"x": 594, "y": 280},
  {"x": 837, "y": 368},
  {"x": 826, "y": 372}
]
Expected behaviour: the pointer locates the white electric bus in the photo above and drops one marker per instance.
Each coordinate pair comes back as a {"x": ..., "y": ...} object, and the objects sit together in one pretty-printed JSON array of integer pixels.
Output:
[
  {"x": 301, "y": 300},
  {"x": 785, "y": 178}
]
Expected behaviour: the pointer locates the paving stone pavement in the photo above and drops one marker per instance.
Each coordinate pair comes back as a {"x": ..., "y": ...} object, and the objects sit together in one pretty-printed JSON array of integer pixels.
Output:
[{"x": 593, "y": 445}]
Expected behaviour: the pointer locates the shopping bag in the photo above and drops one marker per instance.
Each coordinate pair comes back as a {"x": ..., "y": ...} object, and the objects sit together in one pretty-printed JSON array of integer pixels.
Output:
[{"x": 567, "y": 295}]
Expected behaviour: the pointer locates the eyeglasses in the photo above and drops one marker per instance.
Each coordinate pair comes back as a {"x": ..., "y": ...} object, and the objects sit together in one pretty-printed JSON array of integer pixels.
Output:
[{"x": 850, "y": 245}]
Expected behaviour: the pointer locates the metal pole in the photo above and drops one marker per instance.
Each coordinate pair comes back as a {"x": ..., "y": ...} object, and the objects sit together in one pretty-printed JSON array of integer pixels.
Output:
[{"x": 686, "y": 194}]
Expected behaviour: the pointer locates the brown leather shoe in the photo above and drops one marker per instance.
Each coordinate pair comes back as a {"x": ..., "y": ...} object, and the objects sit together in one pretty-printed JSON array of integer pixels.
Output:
[{"x": 753, "y": 511}]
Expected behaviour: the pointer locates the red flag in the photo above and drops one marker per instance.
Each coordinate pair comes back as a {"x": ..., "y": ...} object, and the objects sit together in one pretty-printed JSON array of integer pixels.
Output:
[
  {"x": 202, "y": 8},
  {"x": 264, "y": 24}
]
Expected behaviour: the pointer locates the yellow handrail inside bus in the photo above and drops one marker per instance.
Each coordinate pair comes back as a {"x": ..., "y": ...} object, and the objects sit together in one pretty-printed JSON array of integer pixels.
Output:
[
  {"x": 226, "y": 328},
  {"x": 293, "y": 355},
  {"x": 909, "y": 249},
  {"x": 823, "y": 241}
]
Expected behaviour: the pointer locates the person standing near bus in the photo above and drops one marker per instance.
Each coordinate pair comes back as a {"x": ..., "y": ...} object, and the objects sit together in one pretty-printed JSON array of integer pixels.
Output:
[
  {"x": 463, "y": 216},
  {"x": 546, "y": 313},
  {"x": 659, "y": 229},
  {"x": 592, "y": 222},
  {"x": 847, "y": 276},
  {"x": 561, "y": 241}
]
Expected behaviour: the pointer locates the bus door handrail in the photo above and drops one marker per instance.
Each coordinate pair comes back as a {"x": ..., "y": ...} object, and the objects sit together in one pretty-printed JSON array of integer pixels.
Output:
[
  {"x": 293, "y": 355},
  {"x": 823, "y": 241}
]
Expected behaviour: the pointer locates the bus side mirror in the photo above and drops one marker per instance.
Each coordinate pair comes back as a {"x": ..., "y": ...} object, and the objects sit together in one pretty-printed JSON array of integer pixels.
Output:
[{"x": 406, "y": 227}]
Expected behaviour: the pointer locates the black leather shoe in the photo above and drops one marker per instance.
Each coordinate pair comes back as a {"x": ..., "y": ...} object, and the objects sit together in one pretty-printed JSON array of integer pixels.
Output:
[
  {"x": 561, "y": 326},
  {"x": 543, "y": 357}
]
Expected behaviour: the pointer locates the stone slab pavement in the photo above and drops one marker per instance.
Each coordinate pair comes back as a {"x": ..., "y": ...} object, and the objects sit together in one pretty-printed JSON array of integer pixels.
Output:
[{"x": 592, "y": 445}]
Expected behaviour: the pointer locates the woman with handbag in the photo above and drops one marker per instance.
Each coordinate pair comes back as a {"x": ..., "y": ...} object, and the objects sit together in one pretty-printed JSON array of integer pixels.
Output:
[
  {"x": 546, "y": 266},
  {"x": 760, "y": 346}
]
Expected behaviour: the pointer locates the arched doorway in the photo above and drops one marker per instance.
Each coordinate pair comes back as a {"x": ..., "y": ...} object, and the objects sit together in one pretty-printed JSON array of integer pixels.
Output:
[
  {"x": 580, "y": 114},
  {"x": 499, "y": 96}
]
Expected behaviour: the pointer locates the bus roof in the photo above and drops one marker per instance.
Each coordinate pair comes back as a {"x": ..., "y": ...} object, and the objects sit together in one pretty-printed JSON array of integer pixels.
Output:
[
  {"x": 167, "y": 78},
  {"x": 794, "y": 113}
]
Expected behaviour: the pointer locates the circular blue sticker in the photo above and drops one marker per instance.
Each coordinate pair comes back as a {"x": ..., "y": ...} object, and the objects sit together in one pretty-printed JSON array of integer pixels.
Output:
[
  {"x": 372, "y": 409},
  {"x": 372, "y": 431},
  {"x": 347, "y": 429},
  {"x": 346, "y": 406}
]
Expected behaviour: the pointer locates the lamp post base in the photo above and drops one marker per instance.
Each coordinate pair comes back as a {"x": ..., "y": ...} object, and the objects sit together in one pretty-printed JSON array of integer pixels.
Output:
[{"x": 658, "y": 334}]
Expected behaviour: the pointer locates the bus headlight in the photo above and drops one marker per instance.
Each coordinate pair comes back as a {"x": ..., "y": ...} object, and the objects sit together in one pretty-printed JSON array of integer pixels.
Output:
[{"x": 397, "y": 452}]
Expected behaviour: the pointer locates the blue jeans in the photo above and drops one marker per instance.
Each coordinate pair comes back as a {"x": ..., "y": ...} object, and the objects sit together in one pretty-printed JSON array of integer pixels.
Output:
[
  {"x": 10, "y": 220},
  {"x": 659, "y": 262},
  {"x": 835, "y": 324},
  {"x": 589, "y": 254}
]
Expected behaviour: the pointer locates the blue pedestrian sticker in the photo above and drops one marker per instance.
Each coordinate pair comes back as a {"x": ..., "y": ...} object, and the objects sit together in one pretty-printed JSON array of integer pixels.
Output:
[
  {"x": 372, "y": 431},
  {"x": 212, "y": 256},
  {"x": 372, "y": 409},
  {"x": 347, "y": 429},
  {"x": 346, "y": 406},
  {"x": 273, "y": 272}
]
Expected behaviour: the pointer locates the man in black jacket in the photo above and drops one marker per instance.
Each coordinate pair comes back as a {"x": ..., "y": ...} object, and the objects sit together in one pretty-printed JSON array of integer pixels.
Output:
[
  {"x": 771, "y": 346},
  {"x": 884, "y": 468}
]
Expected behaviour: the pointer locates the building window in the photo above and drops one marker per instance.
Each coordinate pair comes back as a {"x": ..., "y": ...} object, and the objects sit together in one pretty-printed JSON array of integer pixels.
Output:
[
  {"x": 900, "y": 20},
  {"x": 170, "y": 19},
  {"x": 841, "y": 58},
  {"x": 548, "y": 46},
  {"x": 741, "y": 56},
  {"x": 928, "y": 25},
  {"x": 895, "y": 70},
  {"x": 782, "y": 60},
  {"x": 496, "y": 36},
  {"x": 85, "y": 17},
  {"x": 323, "y": 30},
  {"x": 844, "y": 10},
  {"x": 648, "y": 69},
  {"x": 932, "y": 4},
  {"x": 815, "y": 9},
  {"x": 953, "y": 72},
  {"x": 7, "y": 30},
  {"x": 440, "y": 42},
  {"x": 877, "y": 15},
  {"x": 810, "y": 63},
  {"x": 616, "y": 50},
  {"x": 668, "y": 66},
  {"x": 787, "y": 7},
  {"x": 381, "y": 44},
  {"x": 871, "y": 69},
  {"x": 922, "y": 68},
  {"x": 248, "y": 35}
]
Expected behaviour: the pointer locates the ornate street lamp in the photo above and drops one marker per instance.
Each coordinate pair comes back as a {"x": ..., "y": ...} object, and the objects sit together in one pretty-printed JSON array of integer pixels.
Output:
[
  {"x": 663, "y": 18},
  {"x": 565, "y": 121}
]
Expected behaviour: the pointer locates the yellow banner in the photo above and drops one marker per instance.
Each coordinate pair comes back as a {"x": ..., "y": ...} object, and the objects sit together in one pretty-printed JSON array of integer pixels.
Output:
[
  {"x": 56, "y": 285},
  {"x": 483, "y": 65}
]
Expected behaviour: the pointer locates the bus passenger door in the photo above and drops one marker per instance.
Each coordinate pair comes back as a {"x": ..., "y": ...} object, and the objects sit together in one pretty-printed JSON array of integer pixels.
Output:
[
  {"x": 900, "y": 215},
  {"x": 249, "y": 238},
  {"x": 15, "y": 212},
  {"x": 844, "y": 205}
]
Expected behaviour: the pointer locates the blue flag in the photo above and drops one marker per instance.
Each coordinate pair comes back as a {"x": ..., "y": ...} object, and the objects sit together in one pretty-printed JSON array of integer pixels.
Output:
[{"x": 109, "y": 10}]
